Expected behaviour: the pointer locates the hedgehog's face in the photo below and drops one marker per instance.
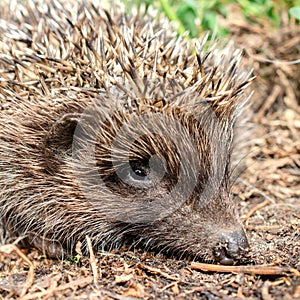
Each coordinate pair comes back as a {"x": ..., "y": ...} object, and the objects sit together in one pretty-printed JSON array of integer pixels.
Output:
[
  {"x": 151, "y": 159},
  {"x": 165, "y": 176}
]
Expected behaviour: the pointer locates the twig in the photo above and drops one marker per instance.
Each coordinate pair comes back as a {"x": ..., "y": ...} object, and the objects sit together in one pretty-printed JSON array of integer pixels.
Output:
[
  {"x": 263, "y": 227},
  {"x": 258, "y": 190},
  {"x": 268, "y": 103},
  {"x": 8, "y": 249},
  {"x": 92, "y": 260},
  {"x": 83, "y": 281},
  {"x": 255, "y": 270},
  {"x": 256, "y": 208},
  {"x": 274, "y": 61},
  {"x": 156, "y": 271}
]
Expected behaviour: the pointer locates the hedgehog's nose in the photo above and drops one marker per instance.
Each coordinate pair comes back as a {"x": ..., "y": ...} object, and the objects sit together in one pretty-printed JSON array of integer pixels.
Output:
[{"x": 233, "y": 246}]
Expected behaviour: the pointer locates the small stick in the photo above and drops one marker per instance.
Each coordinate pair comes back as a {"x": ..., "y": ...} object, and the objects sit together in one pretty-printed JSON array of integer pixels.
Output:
[
  {"x": 92, "y": 259},
  {"x": 263, "y": 227},
  {"x": 8, "y": 249},
  {"x": 157, "y": 271},
  {"x": 256, "y": 208},
  {"x": 268, "y": 103},
  {"x": 255, "y": 270},
  {"x": 73, "y": 285}
]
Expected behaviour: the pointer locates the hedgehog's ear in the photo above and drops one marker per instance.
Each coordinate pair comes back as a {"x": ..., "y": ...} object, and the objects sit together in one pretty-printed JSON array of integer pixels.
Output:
[
  {"x": 60, "y": 136},
  {"x": 58, "y": 141}
]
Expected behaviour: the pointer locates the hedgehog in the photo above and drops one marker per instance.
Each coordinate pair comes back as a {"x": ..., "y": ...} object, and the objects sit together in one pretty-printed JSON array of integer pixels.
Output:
[{"x": 114, "y": 127}]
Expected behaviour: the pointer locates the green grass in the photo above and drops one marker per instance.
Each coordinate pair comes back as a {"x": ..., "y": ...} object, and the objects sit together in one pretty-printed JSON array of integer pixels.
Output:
[{"x": 197, "y": 16}]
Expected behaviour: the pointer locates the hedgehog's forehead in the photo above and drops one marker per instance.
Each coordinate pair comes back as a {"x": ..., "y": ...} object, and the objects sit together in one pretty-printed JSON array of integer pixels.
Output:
[
  {"x": 143, "y": 129},
  {"x": 152, "y": 95}
]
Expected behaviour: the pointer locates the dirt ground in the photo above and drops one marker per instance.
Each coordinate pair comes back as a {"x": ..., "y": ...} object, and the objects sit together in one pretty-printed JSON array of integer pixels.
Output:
[{"x": 268, "y": 188}]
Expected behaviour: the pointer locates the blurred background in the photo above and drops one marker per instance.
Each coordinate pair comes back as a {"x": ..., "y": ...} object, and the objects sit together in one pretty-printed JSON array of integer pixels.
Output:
[{"x": 196, "y": 16}]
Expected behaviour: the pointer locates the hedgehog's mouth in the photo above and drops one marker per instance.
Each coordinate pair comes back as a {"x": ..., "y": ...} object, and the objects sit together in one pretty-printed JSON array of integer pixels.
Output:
[{"x": 233, "y": 247}]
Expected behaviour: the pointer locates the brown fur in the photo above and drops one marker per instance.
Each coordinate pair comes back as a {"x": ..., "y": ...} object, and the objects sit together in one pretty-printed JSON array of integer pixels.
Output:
[{"x": 93, "y": 95}]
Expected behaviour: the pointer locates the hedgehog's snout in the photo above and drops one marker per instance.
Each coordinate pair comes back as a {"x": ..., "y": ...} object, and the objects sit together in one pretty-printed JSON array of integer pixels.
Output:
[{"x": 233, "y": 246}]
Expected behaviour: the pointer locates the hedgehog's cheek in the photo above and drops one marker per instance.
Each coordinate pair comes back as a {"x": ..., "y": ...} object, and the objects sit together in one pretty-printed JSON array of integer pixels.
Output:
[{"x": 232, "y": 247}]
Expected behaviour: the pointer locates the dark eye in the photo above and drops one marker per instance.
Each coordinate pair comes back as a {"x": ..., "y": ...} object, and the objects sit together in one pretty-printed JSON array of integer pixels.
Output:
[{"x": 138, "y": 173}]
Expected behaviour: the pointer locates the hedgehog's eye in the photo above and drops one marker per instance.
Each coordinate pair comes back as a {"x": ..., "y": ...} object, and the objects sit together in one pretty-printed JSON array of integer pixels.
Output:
[
  {"x": 138, "y": 173},
  {"x": 135, "y": 174},
  {"x": 142, "y": 173}
]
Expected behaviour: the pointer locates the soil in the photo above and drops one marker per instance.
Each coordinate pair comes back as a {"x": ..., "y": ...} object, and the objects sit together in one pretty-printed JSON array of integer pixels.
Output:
[{"x": 269, "y": 192}]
